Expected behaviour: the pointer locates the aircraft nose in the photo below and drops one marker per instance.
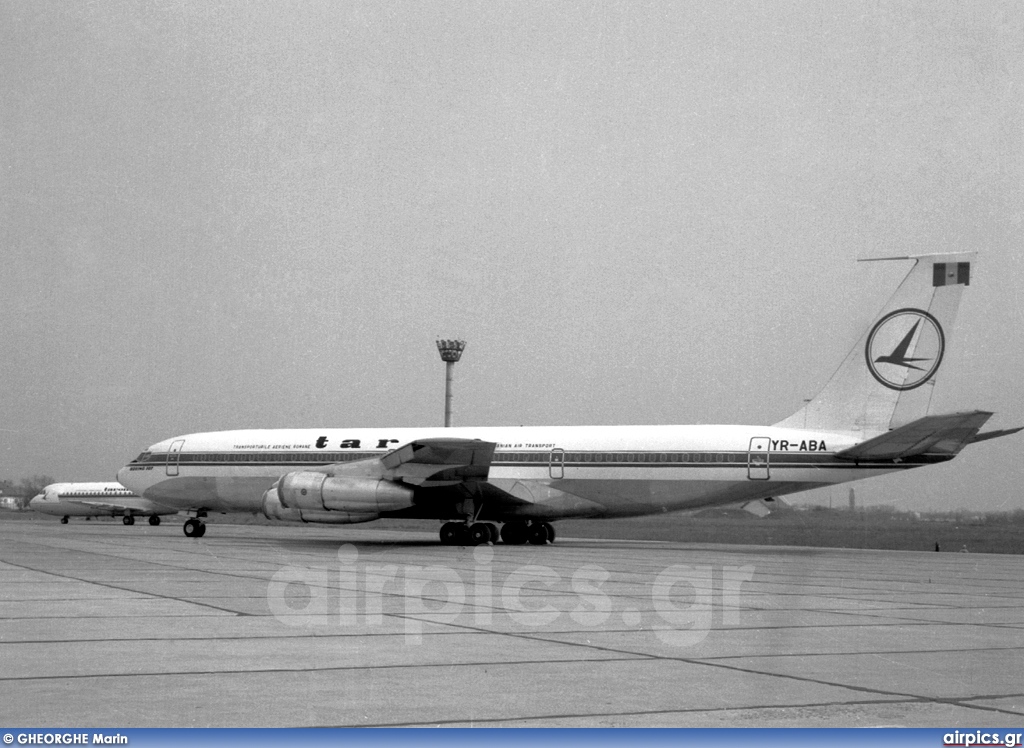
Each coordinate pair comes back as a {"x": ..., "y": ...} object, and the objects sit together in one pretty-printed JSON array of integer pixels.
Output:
[{"x": 36, "y": 500}]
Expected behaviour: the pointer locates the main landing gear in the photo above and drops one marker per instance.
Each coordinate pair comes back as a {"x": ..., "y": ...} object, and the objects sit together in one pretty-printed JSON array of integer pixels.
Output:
[
  {"x": 154, "y": 519},
  {"x": 194, "y": 528},
  {"x": 64, "y": 520},
  {"x": 128, "y": 519},
  {"x": 517, "y": 532}
]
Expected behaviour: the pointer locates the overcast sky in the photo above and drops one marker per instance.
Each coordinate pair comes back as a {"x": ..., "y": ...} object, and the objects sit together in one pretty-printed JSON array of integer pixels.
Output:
[{"x": 262, "y": 214}]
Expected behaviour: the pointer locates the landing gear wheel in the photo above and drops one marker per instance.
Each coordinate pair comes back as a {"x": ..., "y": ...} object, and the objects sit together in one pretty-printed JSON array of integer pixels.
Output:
[
  {"x": 128, "y": 519},
  {"x": 495, "y": 535},
  {"x": 63, "y": 520},
  {"x": 479, "y": 533},
  {"x": 514, "y": 533},
  {"x": 154, "y": 520},
  {"x": 194, "y": 528},
  {"x": 541, "y": 533},
  {"x": 450, "y": 533}
]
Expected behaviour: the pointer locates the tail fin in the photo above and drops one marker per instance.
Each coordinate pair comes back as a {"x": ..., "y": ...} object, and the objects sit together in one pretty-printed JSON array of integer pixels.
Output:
[{"x": 887, "y": 380}]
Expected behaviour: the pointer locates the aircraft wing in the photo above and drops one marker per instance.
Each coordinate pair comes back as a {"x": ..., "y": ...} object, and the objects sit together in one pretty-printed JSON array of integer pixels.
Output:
[
  {"x": 437, "y": 462},
  {"x": 932, "y": 435},
  {"x": 450, "y": 462}
]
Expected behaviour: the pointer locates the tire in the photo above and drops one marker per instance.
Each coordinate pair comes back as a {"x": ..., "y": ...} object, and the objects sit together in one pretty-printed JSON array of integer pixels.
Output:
[
  {"x": 461, "y": 533},
  {"x": 514, "y": 533},
  {"x": 538, "y": 534},
  {"x": 154, "y": 519},
  {"x": 479, "y": 534},
  {"x": 128, "y": 519},
  {"x": 449, "y": 533}
]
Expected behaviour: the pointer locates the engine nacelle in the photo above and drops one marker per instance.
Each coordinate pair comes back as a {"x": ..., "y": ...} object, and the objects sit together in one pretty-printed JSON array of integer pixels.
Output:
[
  {"x": 353, "y": 495},
  {"x": 272, "y": 509}
]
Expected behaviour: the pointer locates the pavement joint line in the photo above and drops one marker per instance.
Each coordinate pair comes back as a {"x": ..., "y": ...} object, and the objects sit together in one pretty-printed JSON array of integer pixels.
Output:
[
  {"x": 635, "y": 713},
  {"x": 123, "y": 617},
  {"x": 959, "y": 701},
  {"x": 148, "y": 594},
  {"x": 890, "y": 605},
  {"x": 900, "y": 618},
  {"x": 873, "y": 613},
  {"x": 158, "y": 566},
  {"x": 788, "y": 676},
  {"x": 308, "y": 670},
  {"x": 875, "y": 653},
  {"x": 879, "y": 612},
  {"x": 824, "y": 585},
  {"x": 458, "y": 632},
  {"x": 133, "y": 559}
]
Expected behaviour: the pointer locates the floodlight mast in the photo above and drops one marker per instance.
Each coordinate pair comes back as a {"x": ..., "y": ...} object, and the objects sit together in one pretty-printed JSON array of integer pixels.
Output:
[{"x": 451, "y": 352}]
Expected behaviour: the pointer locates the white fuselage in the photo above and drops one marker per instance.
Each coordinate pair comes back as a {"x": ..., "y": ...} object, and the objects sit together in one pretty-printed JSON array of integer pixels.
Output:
[
  {"x": 94, "y": 500},
  {"x": 613, "y": 470}
]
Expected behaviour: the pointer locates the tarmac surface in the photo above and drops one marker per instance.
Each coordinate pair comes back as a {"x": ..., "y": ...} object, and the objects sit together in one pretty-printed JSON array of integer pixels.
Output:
[{"x": 284, "y": 626}]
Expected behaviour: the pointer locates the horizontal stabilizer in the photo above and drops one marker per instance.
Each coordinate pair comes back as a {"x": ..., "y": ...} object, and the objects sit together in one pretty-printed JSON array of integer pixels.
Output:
[
  {"x": 995, "y": 434},
  {"x": 943, "y": 435},
  {"x": 763, "y": 507},
  {"x": 757, "y": 508}
]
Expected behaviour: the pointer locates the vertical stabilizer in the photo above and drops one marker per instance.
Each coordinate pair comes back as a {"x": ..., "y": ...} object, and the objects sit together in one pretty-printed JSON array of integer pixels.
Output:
[{"x": 888, "y": 378}]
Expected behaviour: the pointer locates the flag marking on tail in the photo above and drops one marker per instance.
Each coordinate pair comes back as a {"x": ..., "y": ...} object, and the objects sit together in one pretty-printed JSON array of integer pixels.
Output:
[
  {"x": 904, "y": 348},
  {"x": 951, "y": 274}
]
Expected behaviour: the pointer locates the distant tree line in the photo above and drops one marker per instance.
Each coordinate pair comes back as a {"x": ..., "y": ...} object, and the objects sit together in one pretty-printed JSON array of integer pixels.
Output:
[
  {"x": 24, "y": 489},
  {"x": 967, "y": 516}
]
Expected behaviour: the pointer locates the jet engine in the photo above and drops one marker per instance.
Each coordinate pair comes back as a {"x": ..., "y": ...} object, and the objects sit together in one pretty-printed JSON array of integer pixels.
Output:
[
  {"x": 273, "y": 509},
  {"x": 318, "y": 492}
]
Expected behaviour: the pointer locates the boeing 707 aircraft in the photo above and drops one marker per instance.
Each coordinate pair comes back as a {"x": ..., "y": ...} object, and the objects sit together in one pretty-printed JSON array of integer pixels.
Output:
[
  {"x": 67, "y": 500},
  {"x": 873, "y": 417}
]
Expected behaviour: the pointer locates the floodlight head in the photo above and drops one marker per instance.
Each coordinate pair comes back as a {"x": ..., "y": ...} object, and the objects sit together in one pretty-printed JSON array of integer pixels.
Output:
[{"x": 451, "y": 350}]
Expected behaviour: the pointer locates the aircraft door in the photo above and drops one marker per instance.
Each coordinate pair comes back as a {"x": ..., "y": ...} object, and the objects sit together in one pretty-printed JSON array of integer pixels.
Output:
[
  {"x": 758, "y": 458},
  {"x": 556, "y": 467},
  {"x": 172, "y": 456}
]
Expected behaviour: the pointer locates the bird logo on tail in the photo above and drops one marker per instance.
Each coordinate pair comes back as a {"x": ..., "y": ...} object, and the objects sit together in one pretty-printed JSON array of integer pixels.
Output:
[{"x": 904, "y": 349}]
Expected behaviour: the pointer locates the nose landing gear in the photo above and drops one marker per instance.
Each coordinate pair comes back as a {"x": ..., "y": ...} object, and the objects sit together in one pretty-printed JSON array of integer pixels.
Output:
[{"x": 194, "y": 528}]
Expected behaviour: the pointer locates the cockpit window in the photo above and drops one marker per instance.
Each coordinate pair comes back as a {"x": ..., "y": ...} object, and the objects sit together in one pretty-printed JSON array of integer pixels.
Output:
[{"x": 143, "y": 457}]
